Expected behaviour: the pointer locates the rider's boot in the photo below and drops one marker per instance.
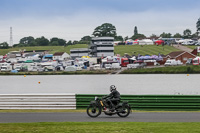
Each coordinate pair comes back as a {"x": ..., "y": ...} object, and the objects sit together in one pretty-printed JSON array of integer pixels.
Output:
[{"x": 112, "y": 108}]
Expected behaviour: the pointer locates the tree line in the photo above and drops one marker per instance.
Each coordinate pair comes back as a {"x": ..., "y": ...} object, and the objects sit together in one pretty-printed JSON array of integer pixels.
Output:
[{"x": 105, "y": 29}]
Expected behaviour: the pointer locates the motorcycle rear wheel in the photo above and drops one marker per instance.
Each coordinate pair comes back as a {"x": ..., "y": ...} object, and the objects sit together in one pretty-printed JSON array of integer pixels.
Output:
[
  {"x": 126, "y": 111},
  {"x": 93, "y": 111}
]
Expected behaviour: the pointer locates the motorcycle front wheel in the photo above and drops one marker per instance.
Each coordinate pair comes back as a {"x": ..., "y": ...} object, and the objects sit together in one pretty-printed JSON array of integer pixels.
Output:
[
  {"x": 93, "y": 111},
  {"x": 124, "y": 111}
]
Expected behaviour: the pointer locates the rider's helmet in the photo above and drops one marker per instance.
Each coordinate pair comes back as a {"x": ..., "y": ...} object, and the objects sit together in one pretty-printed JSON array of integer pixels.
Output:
[{"x": 112, "y": 88}]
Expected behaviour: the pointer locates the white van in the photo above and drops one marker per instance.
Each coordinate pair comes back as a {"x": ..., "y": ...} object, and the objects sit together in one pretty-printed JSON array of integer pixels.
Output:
[
  {"x": 70, "y": 68},
  {"x": 5, "y": 67},
  {"x": 116, "y": 66},
  {"x": 17, "y": 67},
  {"x": 97, "y": 67},
  {"x": 173, "y": 62}
]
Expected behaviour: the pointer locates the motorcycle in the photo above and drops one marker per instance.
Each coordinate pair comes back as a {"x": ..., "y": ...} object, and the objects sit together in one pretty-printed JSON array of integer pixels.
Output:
[{"x": 100, "y": 105}]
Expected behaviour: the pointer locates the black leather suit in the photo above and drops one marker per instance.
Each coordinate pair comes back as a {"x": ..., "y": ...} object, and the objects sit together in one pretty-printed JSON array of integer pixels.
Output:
[{"x": 113, "y": 98}]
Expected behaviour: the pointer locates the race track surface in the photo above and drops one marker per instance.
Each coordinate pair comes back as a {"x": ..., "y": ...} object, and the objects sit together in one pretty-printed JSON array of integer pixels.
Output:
[{"x": 83, "y": 117}]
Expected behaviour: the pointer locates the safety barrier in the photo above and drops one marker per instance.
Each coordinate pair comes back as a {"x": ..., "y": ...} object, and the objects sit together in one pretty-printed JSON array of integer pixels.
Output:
[
  {"x": 37, "y": 101},
  {"x": 72, "y": 101},
  {"x": 150, "y": 102}
]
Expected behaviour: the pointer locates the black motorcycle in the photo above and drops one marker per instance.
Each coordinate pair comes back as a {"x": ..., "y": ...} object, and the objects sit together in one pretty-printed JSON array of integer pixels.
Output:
[{"x": 101, "y": 105}]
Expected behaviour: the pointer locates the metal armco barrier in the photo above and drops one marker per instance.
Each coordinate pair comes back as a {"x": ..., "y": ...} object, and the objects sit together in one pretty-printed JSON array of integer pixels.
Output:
[
  {"x": 37, "y": 101},
  {"x": 150, "y": 102}
]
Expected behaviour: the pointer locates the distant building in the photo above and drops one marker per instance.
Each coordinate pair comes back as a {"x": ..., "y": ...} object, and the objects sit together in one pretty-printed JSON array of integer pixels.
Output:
[
  {"x": 34, "y": 52},
  {"x": 102, "y": 46},
  {"x": 60, "y": 56},
  {"x": 13, "y": 54},
  {"x": 47, "y": 57},
  {"x": 79, "y": 52},
  {"x": 183, "y": 56}
]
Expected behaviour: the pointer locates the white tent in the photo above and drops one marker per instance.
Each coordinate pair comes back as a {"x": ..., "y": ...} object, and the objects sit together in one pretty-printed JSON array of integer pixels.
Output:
[{"x": 145, "y": 42}]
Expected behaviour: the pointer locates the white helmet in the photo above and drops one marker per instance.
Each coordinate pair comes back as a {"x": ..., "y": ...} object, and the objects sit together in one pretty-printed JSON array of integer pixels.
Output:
[{"x": 112, "y": 88}]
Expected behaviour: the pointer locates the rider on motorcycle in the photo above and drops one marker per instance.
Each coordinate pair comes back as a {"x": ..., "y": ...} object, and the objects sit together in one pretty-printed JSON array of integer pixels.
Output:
[{"x": 113, "y": 97}]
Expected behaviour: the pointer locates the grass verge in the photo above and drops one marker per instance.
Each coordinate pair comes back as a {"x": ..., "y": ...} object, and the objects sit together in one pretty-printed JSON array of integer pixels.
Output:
[
  {"x": 164, "y": 70},
  {"x": 121, "y": 49},
  {"x": 144, "y": 49},
  {"x": 101, "y": 127}
]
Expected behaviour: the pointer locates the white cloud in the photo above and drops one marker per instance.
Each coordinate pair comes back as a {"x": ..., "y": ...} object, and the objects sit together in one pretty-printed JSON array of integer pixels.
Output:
[{"x": 76, "y": 26}]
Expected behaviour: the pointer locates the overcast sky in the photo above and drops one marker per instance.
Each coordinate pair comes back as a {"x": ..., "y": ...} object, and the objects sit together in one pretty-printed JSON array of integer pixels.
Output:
[{"x": 73, "y": 19}]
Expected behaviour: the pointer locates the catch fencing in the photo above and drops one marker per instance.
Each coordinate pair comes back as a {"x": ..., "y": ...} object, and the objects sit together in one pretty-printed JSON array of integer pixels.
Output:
[
  {"x": 150, "y": 102},
  {"x": 37, "y": 101}
]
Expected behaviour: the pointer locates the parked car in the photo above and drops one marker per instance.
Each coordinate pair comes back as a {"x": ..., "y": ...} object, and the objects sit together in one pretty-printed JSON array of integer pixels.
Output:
[
  {"x": 79, "y": 68},
  {"x": 173, "y": 62},
  {"x": 18, "y": 68},
  {"x": 189, "y": 61},
  {"x": 116, "y": 66},
  {"x": 97, "y": 67},
  {"x": 70, "y": 68},
  {"x": 197, "y": 44},
  {"x": 108, "y": 66},
  {"x": 49, "y": 68},
  {"x": 189, "y": 42},
  {"x": 6, "y": 67},
  {"x": 59, "y": 68},
  {"x": 136, "y": 65}
]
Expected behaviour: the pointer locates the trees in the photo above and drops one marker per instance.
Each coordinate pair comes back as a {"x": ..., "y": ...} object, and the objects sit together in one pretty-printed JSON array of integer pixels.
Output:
[
  {"x": 27, "y": 41},
  {"x": 166, "y": 35},
  {"x": 75, "y": 42},
  {"x": 57, "y": 42},
  {"x": 153, "y": 36},
  {"x": 119, "y": 38},
  {"x": 198, "y": 26},
  {"x": 177, "y": 35},
  {"x": 54, "y": 43},
  {"x": 105, "y": 29},
  {"x": 85, "y": 40},
  {"x": 187, "y": 33},
  {"x": 69, "y": 42},
  {"x": 195, "y": 35},
  {"x": 42, "y": 41},
  {"x": 4, "y": 45},
  {"x": 125, "y": 38},
  {"x": 135, "y": 30},
  {"x": 138, "y": 36}
]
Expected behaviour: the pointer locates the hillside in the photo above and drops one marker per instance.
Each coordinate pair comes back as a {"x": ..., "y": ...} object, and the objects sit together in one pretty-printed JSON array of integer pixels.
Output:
[
  {"x": 129, "y": 49},
  {"x": 144, "y": 49},
  {"x": 52, "y": 49}
]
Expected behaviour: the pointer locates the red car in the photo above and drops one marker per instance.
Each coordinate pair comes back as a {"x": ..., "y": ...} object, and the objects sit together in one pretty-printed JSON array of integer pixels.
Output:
[{"x": 159, "y": 42}]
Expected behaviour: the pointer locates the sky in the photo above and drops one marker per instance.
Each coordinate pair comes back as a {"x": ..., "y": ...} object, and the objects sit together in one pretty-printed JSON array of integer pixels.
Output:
[{"x": 73, "y": 19}]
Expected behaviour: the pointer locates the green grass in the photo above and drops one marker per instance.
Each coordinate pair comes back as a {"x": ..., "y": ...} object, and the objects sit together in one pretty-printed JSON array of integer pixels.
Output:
[
  {"x": 129, "y": 49},
  {"x": 101, "y": 127},
  {"x": 192, "y": 47},
  {"x": 144, "y": 49},
  {"x": 52, "y": 49},
  {"x": 164, "y": 70}
]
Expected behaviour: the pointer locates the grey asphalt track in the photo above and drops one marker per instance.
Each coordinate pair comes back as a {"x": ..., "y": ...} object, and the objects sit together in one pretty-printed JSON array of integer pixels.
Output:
[{"x": 82, "y": 117}]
